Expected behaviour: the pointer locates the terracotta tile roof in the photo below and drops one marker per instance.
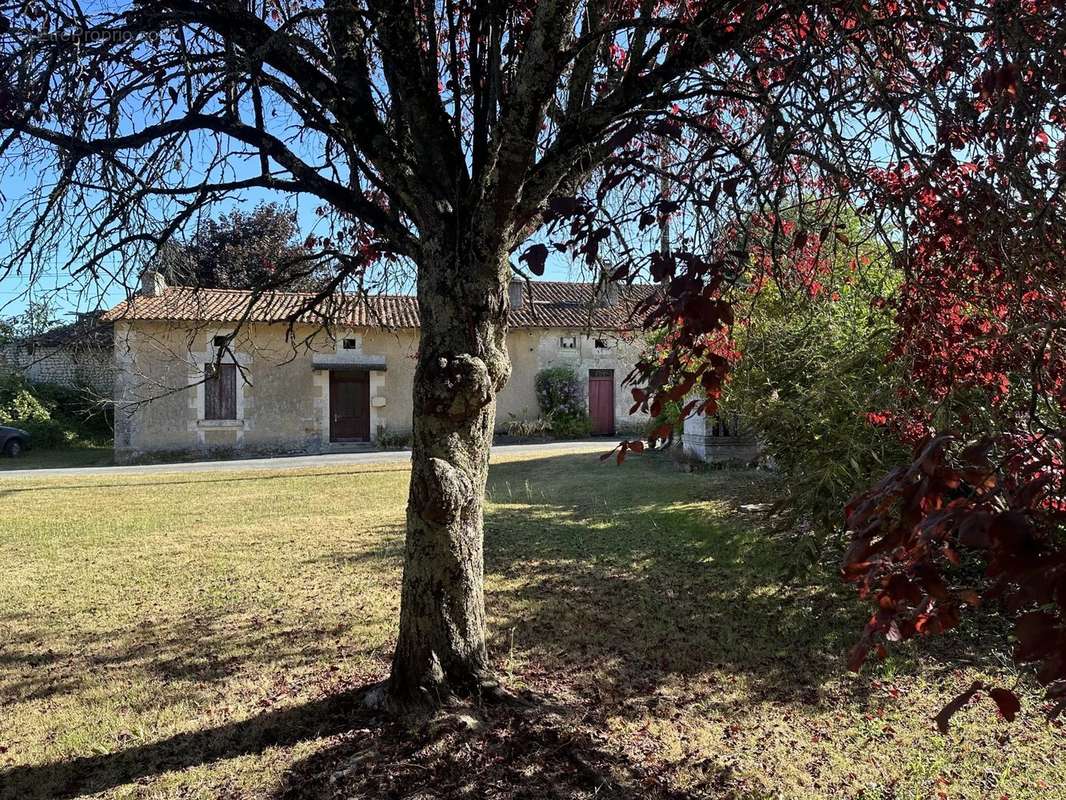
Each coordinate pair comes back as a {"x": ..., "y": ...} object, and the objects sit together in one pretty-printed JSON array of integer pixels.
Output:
[
  {"x": 88, "y": 332},
  {"x": 556, "y": 304}
]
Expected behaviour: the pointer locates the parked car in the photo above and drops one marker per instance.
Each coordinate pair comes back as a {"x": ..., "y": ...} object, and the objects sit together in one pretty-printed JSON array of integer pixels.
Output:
[{"x": 13, "y": 441}]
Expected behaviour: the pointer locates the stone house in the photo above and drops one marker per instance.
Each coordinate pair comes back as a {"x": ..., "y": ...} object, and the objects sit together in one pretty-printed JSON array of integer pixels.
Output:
[
  {"x": 290, "y": 380},
  {"x": 79, "y": 355}
]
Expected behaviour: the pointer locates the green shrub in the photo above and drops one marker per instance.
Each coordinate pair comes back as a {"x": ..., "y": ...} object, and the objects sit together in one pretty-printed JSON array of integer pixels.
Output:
[
  {"x": 559, "y": 391},
  {"x": 811, "y": 371},
  {"x": 572, "y": 426},
  {"x": 54, "y": 416},
  {"x": 562, "y": 400}
]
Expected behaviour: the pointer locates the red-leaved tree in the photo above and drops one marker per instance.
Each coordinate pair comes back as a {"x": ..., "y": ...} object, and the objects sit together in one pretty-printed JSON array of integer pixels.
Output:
[{"x": 962, "y": 124}]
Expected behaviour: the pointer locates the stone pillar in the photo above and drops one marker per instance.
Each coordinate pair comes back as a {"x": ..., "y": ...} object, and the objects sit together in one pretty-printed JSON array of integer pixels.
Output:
[
  {"x": 694, "y": 437},
  {"x": 707, "y": 439}
]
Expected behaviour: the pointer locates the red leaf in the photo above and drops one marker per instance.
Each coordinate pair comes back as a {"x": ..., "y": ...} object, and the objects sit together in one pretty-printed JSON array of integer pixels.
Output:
[
  {"x": 565, "y": 207},
  {"x": 857, "y": 657},
  {"x": 662, "y": 266},
  {"x": 662, "y": 432},
  {"x": 534, "y": 257},
  {"x": 973, "y": 532},
  {"x": 948, "y": 711},
  {"x": 621, "y": 137},
  {"x": 1036, "y": 634},
  {"x": 1008, "y": 702}
]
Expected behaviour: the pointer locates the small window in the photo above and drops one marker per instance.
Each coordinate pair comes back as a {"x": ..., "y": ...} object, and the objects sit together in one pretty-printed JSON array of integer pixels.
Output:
[
  {"x": 221, "y": 341},
  {"x": 568, "y": 342},
  {"x": 601, "y": 344},
  {"x": 220, "y": 391},
  {"x": 350, "y": 344}
]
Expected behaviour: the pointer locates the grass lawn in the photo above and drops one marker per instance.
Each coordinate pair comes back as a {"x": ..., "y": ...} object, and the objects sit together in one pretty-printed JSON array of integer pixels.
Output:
[
  {"x": 38, "y": 458},
  {"x": 202, "y": 635}
]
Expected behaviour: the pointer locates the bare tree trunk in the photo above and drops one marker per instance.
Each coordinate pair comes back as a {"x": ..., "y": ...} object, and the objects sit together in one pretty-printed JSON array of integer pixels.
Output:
[{"x": 462, "y": 364}]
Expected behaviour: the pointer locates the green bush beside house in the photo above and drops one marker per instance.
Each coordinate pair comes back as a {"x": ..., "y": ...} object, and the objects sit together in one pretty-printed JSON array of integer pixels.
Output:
[
  {"x": 562, "y": 401},
  {"x": 54, "y": 416}
]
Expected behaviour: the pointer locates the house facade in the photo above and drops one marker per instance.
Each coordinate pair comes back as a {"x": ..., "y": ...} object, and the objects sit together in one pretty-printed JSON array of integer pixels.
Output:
[{"x": 223, "y": 371}]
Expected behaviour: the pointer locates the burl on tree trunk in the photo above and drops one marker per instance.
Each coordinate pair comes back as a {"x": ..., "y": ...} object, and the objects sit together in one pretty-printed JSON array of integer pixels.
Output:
[{"x": 462, "y": 365}]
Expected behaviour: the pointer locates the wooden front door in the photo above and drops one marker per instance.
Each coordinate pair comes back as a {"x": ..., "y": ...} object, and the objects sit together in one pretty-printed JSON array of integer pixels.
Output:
[
  {"x": 601, "y": 401},
  {"x": 349, "y": 406}
]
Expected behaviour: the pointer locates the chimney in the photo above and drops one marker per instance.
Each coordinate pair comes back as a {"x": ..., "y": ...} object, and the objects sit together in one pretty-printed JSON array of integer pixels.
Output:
[
  {"x": 610, "y": 293},
  {"x": 516, "y": 293},
  {"x": 152, "y": 283}
]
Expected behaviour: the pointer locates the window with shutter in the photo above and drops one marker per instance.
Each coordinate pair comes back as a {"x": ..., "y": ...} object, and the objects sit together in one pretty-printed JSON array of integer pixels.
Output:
[{"x": 220, "y": 391}]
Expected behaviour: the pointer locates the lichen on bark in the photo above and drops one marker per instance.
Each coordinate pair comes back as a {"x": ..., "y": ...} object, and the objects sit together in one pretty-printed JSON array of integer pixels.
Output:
[{"x": 462, "y": 364}]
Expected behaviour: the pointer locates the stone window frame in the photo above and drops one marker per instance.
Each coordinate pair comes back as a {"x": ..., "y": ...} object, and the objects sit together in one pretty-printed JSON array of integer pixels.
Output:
[{"x": 242, "y": 361}]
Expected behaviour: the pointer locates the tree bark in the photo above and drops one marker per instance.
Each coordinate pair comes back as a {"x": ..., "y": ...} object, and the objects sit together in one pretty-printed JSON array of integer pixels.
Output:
[{"x": 462, "y": 364}]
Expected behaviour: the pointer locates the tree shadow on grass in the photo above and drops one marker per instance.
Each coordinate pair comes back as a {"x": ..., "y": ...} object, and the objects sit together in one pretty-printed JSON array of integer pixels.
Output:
[
  {"x": 195, "y": 651},
  {"x": 603, "y": 587},
  {"x": 629, "y": 585},
  {"x": 85, "y": 775},
  {"x": 583, "y": 577},
  {"x": 535, "y": 753},
  {"x": 621, "y": 583}
]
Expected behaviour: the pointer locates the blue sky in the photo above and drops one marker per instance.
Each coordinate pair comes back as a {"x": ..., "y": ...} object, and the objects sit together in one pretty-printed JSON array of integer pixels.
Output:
[
  {"x": 16, "y": 291},
  {"x": 54, "y": 286}
]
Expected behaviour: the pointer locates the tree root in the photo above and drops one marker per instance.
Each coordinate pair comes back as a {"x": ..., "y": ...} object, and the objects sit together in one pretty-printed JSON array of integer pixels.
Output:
[{"x": 426, "y": 704}]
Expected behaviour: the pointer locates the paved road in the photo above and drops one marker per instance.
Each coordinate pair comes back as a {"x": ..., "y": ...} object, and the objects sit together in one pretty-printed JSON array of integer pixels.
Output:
[{"x": 295, "y": 462}]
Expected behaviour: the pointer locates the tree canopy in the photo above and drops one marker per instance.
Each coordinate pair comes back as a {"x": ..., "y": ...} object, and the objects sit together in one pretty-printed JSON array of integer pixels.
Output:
[{"x": 243, "y": 250}]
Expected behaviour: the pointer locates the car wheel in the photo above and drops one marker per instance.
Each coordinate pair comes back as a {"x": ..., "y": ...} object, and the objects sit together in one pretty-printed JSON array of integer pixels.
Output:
[{"x": 13, "y": 448}]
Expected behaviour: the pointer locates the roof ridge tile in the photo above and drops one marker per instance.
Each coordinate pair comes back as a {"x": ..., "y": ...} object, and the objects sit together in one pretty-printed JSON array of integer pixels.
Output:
[{"x": 562, "y": 304}]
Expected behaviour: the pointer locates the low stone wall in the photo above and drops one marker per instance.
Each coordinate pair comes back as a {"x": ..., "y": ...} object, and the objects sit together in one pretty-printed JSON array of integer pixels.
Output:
[
  {"x": 66, "y": 365},
  {"x": 703, "y": 438}
]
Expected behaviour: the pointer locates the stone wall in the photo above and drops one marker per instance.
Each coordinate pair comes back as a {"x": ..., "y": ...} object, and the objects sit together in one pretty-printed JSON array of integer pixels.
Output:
[
  {"x": 65, "y": 365},
  {"x": 283, "y": 391},
  {"x": 536, "y": 349},
  {"x": 706, "y": 439}
]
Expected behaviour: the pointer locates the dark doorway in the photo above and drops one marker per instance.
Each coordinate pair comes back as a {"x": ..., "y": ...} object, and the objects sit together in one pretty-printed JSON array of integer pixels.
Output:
[
  {"x": 601, "y": 401},
  {"x": 349, "y": 406}
]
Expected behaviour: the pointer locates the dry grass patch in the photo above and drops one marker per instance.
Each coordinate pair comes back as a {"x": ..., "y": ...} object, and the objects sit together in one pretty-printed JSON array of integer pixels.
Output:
[{"x": 202, "y": 635}]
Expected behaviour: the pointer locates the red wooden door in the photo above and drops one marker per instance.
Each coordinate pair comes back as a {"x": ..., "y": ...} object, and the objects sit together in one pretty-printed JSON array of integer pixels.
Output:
[
  {"x": 349, "y": 406},
  {"x": 601, "y": 401}
]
